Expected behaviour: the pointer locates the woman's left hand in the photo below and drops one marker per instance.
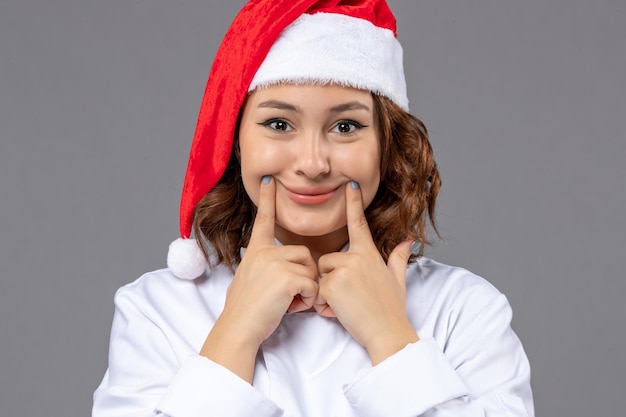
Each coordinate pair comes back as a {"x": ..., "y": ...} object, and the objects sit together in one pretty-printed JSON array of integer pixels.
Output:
[{"x": 367, "y": 296}]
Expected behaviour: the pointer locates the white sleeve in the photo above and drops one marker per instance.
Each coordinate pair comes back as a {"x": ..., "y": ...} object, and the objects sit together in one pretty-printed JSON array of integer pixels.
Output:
[
  {"x": 482, "y": 371},
  {"x": 205, "y": 388},
  {"x": 146, "y": 378}
]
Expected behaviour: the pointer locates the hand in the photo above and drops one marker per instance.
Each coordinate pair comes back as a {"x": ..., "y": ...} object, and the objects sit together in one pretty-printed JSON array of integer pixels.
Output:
[
  {"x": 366, "y": 295},
  {"x": 269, "y": 281}
]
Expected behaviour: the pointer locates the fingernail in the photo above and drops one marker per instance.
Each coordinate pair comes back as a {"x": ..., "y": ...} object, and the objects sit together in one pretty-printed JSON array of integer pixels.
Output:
[
  {"x": 354, "y": 185},
  {"x": 415, "y": 247},
  {"x": 266, "y": 179}
]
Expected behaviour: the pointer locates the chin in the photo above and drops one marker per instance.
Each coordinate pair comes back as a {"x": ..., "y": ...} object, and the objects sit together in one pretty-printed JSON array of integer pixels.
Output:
[
  {"x": 310, "y": 227},
  {"x": 311, "y": 231}
]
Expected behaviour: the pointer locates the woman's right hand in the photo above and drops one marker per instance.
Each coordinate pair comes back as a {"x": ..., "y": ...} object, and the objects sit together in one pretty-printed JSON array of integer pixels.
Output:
[{"x": 269, "y": 281}]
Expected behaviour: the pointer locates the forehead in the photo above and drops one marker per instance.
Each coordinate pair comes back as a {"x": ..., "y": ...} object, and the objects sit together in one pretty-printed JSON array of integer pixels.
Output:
[{"x": 310, "y": 95}]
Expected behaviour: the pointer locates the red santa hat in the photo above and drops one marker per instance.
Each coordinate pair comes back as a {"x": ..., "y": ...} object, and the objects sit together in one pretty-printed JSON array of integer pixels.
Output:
[{"x": 347, "y": 42}]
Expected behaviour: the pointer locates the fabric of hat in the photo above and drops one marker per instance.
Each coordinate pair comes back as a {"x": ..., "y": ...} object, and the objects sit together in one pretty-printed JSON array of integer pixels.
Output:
[{"x": 351, "y": 43}]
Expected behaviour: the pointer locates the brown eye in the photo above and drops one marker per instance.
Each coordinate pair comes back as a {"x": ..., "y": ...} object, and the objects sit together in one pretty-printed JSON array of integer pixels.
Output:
[
  {"x": 346, "y": 127},
  {"x": 278, "y": 124}
]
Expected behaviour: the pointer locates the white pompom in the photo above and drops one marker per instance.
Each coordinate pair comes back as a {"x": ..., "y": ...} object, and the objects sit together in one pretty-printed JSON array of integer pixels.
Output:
[{"x": 185, "y": 259}]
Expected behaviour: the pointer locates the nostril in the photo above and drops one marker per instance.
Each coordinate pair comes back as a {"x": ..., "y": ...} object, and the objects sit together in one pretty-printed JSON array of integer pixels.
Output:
[{"x": 313, "y": 161}]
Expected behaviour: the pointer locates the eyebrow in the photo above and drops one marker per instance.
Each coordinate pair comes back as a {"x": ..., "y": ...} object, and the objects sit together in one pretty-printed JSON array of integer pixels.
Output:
[
  {"x": 280, "y": 105},
  {"x": 353, "y": 105}
]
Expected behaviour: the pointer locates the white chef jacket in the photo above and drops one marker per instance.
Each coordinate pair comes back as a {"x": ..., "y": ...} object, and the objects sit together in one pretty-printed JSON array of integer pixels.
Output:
[{"x": 468, "y": 362}]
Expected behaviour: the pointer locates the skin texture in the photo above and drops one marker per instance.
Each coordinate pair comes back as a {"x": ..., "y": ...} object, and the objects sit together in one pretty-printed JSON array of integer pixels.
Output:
[{"x": 310, "y": 162}]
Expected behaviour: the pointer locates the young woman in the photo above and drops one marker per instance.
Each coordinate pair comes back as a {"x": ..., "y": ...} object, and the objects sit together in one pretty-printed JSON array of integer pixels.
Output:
[{"x": 309, "y": 187}]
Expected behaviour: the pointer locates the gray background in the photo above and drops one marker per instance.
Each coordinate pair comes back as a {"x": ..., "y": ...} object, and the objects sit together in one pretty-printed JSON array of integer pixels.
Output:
[{"x": 526, "y": 105}]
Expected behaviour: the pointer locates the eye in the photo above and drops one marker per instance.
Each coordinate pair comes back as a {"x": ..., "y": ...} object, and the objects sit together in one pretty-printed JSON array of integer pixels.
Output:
[
  {"x": 346, "y": 127},
  {"x": 278, "y": 124}
]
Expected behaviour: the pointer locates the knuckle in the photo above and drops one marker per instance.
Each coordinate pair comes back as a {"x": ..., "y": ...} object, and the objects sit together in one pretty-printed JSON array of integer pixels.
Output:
[
  {"x": 360, "y": 221},
  {"x": 265, "y": 254},
  {"x": 262, "y": 217},
  {"x": 339, "y": 278},
  {"x": 301, "y": 251},
  {"x": 352, "y": 262}
]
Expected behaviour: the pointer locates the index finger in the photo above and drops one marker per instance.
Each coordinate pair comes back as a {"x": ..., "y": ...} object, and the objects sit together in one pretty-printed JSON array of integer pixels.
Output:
[
  {"x": 359, "y": 232},
  {"x": 264, "y": 222}
]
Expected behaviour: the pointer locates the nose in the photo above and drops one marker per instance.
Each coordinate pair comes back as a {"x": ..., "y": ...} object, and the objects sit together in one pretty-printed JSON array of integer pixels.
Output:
[{"x": 312, "y": 156}]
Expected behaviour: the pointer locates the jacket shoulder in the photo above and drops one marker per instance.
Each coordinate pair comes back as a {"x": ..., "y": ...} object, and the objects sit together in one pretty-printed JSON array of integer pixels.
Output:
[
  {"x": 160, "y": 288},
  {"x": 430, "y": 282}
]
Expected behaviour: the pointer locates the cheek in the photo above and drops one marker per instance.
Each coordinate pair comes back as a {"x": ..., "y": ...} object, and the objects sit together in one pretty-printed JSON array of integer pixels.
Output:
[
  {"x": 362, "y": 166},
  {"x": 257, "y": 160}
]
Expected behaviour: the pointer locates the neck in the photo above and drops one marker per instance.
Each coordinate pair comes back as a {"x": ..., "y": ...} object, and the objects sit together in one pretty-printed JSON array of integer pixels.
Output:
[{"x": 318, "y": 245}]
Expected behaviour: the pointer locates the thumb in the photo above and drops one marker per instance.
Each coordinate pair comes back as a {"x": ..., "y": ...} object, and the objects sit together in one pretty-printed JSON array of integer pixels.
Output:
[{"x": 399, "y": 258}]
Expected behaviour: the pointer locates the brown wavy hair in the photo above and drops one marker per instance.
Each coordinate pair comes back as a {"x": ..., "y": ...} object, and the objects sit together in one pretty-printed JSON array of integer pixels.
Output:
[{"x": 403, "y": 206}]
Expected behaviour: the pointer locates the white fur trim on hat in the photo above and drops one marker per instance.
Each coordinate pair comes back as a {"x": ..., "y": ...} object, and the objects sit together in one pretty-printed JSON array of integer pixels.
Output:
[{"x": 331, "y": 48}]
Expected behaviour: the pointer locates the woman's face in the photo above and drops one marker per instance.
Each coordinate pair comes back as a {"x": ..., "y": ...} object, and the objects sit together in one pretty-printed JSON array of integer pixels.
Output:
[{"x": 313, "y": 140}]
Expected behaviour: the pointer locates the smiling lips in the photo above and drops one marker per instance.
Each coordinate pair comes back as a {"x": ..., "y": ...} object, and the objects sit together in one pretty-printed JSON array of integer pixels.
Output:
[{"x": 310, "y": 196}]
